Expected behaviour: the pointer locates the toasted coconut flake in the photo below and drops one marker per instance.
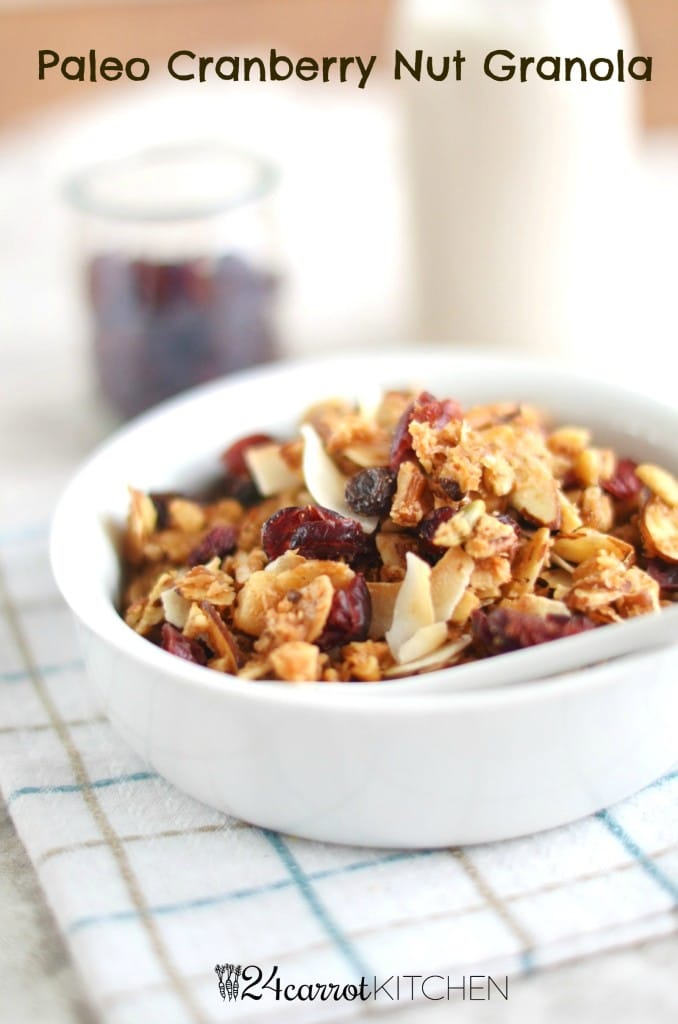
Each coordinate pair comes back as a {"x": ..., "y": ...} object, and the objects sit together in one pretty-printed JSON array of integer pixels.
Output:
[
  {"x": 325, "y": 482},
  {"x": 383, "y": 597},
  {"x": 449, "y": 579},
  {"x": 445, "y": 655},
  {"x": 414, "y": 604},
  {"x": 270, "y": 471},
  {"x": 176, "y": 607},
  {"x": 424, "y": 642}
]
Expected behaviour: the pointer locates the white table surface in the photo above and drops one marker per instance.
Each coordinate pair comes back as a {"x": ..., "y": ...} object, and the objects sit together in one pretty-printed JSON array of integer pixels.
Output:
[{"x": 344, "y": 294}]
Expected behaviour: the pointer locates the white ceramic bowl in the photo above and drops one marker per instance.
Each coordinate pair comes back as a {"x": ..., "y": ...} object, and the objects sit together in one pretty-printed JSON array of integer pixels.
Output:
[{"x": 340, "y": 763}]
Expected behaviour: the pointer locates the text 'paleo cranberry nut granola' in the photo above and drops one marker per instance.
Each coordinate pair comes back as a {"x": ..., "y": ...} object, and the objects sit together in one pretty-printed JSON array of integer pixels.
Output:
[{"x": 386, "y": 542}]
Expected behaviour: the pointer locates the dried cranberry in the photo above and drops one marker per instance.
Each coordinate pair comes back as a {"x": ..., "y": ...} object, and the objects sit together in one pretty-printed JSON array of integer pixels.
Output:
[
  {"x": 623, "y": 483},
  {"x": 173, "y": 641},
  {"x": 242, "y": 489},
  {"x": 369, "y": 492},
  {"x": 505, "y": 629},
  {"x": 278, "y": 528},
  {"x": 234, "y": 457},
  {"x": 427, "y": 530},
  {"x": 665, "y": 574},
  {"x": 424, "y": 409},
  {"x": 350, "y": 615},
  {"x": 218, "y": 542},
  {"x": 315, "y": 533}
]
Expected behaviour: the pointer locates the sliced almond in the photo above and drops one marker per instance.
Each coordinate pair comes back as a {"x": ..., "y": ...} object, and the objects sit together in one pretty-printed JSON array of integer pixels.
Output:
[
  {"x": 270, "y": 471},
  {"x": 424, "y": 642},
  {"x": 660, "y": 481},
  {"x": 538, "y": 501},
  {"x": 570, "y": 520},
  {"x": 529, "y": 563},
  {"x": 585, "y": 543},
  {"x": 449, "y": 579},
  {"x": 325, "y": 481},
  {"x": 413, "y": 606},
  {"x": 445, "y": 655},
  {"x": 659, "y": 528}
]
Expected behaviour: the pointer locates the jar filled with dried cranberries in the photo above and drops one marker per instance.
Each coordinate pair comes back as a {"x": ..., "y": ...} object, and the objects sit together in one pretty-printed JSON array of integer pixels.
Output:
[{"x": 181, "y": 269}]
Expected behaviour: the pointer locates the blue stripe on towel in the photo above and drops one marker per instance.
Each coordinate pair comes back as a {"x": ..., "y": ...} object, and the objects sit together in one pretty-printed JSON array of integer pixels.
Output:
[
  {"x": 20, "y": 674},
  {"x": 306, "y": 890},
  {"x": 165, "y": 909},
  {"x": 77, "y": 787},
  {"x": 650, "y": 867}
]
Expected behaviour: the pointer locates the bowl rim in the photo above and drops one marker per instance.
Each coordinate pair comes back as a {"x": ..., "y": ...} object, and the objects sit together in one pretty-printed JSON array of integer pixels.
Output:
[{"x": 351, "y": 697}]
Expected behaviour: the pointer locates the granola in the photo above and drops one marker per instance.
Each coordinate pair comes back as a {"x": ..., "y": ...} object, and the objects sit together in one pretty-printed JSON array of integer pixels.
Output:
[{"x": 399, "y": 539}]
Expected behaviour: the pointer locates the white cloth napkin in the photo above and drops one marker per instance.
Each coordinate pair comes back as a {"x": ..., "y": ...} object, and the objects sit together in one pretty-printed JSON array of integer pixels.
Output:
[{"x": 152, "y": 889}]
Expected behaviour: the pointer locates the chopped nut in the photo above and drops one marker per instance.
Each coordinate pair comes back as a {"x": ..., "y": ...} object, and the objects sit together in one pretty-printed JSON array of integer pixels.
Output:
[
  {"x": 491, "y": 537},
  {"x": 606, "y": 589},
  {"x": 458, "y": 529},
  {"x": 412, "y": 499},
  {"x": 207, "y": 583},
  {"x": 299, "y": 615},
  {"x": 498, "y": 475},
  {"x": 365, "y": 661},
  {"x": 296, "y": 661},
  {"x": 489, "y": 576},
  {"x": 393, "y": 548}
]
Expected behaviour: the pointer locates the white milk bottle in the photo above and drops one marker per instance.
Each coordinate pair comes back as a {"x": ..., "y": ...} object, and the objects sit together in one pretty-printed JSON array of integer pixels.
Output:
[{"x": 517, "y": 189}]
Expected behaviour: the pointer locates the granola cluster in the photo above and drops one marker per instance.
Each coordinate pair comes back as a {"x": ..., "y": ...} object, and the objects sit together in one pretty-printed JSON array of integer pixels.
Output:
[{"x": 397, "y": 539}]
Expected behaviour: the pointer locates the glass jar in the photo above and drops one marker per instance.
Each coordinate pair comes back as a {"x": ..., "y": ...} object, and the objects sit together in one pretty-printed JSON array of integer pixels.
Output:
[{"x": 181, "y": 268}]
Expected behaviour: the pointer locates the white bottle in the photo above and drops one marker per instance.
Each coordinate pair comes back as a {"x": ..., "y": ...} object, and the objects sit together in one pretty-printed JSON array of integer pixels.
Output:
[{"x": 516, "y": 189}]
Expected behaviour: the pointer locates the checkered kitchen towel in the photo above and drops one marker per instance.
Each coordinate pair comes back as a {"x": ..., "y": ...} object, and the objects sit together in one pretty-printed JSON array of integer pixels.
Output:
[{"x": 152, "y": 889}]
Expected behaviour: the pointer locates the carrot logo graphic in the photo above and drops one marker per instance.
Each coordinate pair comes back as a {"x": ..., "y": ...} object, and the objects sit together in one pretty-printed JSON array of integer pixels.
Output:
[{"x": 228, "y": 975}]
